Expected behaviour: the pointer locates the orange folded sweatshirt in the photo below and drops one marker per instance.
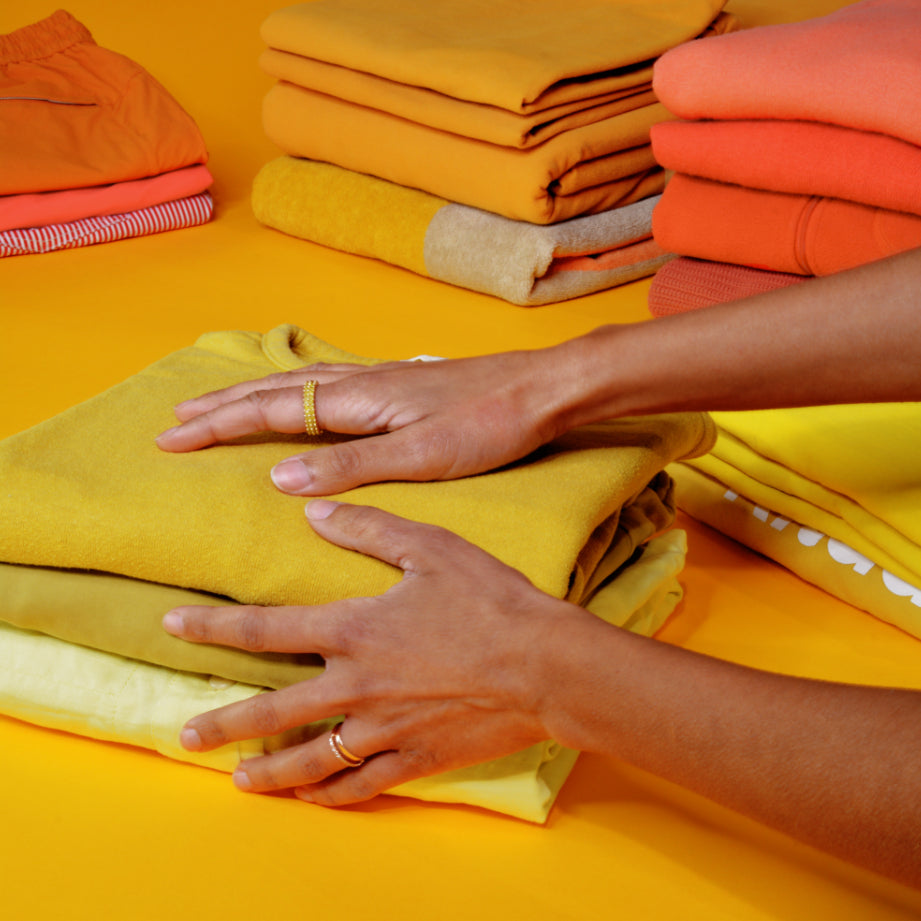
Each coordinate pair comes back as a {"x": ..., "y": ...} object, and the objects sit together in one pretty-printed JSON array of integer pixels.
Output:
[
  {"x": 805, "y": 158},
  {"x": 859, "y": 67},
  {"x": 805, "y": 235}
]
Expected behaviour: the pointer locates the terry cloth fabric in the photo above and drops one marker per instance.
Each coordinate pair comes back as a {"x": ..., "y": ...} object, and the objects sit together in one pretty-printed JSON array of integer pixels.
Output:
[
  {"x": 798, "y": 157},
  {"x": 171, "y": 215},
  {"x": 859, "y": 67},
  {"x": 686, "y": 284},
  {"x": 199, "y": 520},
  {"x": 75, "y": 688},
  {"x": 824, "y": 561},
  {"x": 498, "y": 107},
  {"x": 583, "y": 171},
  {"x": 806, "y": 235},
  {"x": 74, "y": 115},
  {"x": 852, "y": 473},
  {"x": 523, "y": 263},
  {"x": 43, "y": 208}
]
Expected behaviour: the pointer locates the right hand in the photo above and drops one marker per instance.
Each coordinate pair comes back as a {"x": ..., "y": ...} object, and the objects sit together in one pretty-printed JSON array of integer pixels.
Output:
[{"x": 434, "y": 420}]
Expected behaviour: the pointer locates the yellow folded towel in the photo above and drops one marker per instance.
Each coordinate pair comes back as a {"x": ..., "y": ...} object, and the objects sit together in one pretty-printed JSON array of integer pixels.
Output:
[
  {"x": 523, "y": 263},
  {"x": 89, "y": 489}
]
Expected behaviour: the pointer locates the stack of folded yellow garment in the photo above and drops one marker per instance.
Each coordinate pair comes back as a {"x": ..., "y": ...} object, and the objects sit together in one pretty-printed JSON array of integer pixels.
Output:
[
  {"x": 101, "y": 534},
  {"x": 833, "y": 493},
  {"x": 478, "y": 121},
  {"x": 797, "y": 151},
  {"x": 94, "y": 148}
]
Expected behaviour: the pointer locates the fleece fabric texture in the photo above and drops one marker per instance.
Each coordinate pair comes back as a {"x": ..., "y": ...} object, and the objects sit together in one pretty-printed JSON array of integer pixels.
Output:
[
  {"x": 523, "y": 263},
  {"x": 211, "y": 520},
  {"x": 80, "y": 689},
  {"x": 800, "y": 234},
  {"x": 858, "y": 67},
  {"x": 803, "y": 158}
]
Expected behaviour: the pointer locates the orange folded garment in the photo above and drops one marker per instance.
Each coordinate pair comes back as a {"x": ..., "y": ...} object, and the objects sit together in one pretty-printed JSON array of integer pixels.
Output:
[
  {"x": 686, "y": 284},
  {"x": 38, "y": 209},
  {"x": 800, "y": 234},
  {"x": 582, "y": 171},
  {"x": 859, "y": 67},
  {"x": 521, "y": 57},
  {"x": 805, "y": 158},
  {"x": 74, "y": 115}
]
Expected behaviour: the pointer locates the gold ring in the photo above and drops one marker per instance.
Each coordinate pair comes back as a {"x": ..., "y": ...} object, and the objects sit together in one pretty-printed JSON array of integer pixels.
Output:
[
  {"x": 349, "y": 759},
  {"x": 310, "y": 411}
]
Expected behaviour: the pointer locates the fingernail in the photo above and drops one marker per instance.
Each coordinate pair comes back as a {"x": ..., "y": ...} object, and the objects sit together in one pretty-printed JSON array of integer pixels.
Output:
[
  {"x": 172, "y": 622},
  {"x": 303, "y": 794},
  {"x": 290, "y": 476},
  {"x": 241, "y": 780},
  {"x": 190, "y": 740},
  {"x": 167, "y": 434},
  {"x": 318, "y": 509}
]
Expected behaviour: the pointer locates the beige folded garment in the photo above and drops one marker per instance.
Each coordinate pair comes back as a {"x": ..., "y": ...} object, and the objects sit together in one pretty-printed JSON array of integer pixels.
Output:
[{"x": 523, "y": 263}]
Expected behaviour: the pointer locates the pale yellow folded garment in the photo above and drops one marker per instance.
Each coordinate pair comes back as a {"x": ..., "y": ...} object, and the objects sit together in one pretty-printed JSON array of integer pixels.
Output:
[
  {"x": 582, "y": 171},
  {"x": 89, "y": 489},
  {"x": 824, "y": 561},
  {"x": 65, "y": 686},
  {"x": 852, "y": 473},
  {"x": 522, "y": 57},
  {"x": 523, "y": 263}
]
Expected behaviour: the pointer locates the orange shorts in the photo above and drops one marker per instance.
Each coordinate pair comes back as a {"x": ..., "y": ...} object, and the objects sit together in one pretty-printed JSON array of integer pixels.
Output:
[{"x": 73, "y": 114}]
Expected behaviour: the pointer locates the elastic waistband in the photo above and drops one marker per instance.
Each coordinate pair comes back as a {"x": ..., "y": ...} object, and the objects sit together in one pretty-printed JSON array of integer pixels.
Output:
[{"x": 41, "y": 39}]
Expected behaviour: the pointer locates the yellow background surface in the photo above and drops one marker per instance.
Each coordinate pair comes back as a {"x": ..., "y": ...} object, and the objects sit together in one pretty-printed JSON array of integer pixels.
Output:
[{"x": 93, "y": 830}]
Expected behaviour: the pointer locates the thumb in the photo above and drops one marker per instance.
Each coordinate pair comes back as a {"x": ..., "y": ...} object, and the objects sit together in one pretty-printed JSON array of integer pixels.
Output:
[{"x": 409, "y": 545}]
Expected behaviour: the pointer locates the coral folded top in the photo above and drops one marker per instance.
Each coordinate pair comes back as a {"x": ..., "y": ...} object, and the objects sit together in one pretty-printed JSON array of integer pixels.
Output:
[
  {"x": 73, "y": 114},
  {"x": 858, "y": 67}
]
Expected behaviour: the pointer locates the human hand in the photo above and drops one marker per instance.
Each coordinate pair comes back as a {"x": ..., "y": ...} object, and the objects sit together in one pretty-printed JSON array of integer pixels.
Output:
[
  {"x": 426, "y": 420},
  {"x": 446, "y": 669}
]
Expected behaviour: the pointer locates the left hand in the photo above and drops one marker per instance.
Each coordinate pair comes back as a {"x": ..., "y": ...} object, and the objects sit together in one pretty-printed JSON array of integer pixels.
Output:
[{"x": 446, "y": 669}]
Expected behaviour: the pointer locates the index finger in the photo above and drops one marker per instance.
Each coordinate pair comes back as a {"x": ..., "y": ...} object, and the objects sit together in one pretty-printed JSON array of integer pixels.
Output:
[{"x": 274, "y": 410}]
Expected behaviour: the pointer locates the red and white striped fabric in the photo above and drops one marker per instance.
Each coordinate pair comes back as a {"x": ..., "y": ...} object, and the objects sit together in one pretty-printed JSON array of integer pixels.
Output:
[{"x": 172, "y": 215}]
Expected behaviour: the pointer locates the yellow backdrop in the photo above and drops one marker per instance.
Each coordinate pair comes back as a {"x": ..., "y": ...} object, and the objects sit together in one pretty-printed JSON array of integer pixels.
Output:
[{"x": 93, "y": 830}]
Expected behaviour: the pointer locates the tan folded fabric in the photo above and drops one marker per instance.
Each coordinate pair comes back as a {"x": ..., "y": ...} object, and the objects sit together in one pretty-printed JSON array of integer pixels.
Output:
[{"x": 582, "y": 171}]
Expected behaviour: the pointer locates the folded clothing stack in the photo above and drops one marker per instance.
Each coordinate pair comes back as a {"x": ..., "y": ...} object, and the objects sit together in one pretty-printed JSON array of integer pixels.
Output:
[
  {"x": 797, "y": 152},
  {"x": 479, "y": 120},
  {"x": 81, "y": 605},
  {"x": 833, "y": 493},
  {"x": 94, "y": 148}
]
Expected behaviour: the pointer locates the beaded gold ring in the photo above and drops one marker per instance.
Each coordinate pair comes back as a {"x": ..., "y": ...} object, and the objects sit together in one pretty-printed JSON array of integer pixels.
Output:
[
  {"x": 310, "y": 411},
  {"x": 341, "y": 752}
]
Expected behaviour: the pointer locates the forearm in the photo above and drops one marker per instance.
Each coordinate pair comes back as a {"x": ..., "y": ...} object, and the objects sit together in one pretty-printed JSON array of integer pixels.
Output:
[
  {"x": 851, "y": 337},
  {"x": 833, "y": 765}
]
